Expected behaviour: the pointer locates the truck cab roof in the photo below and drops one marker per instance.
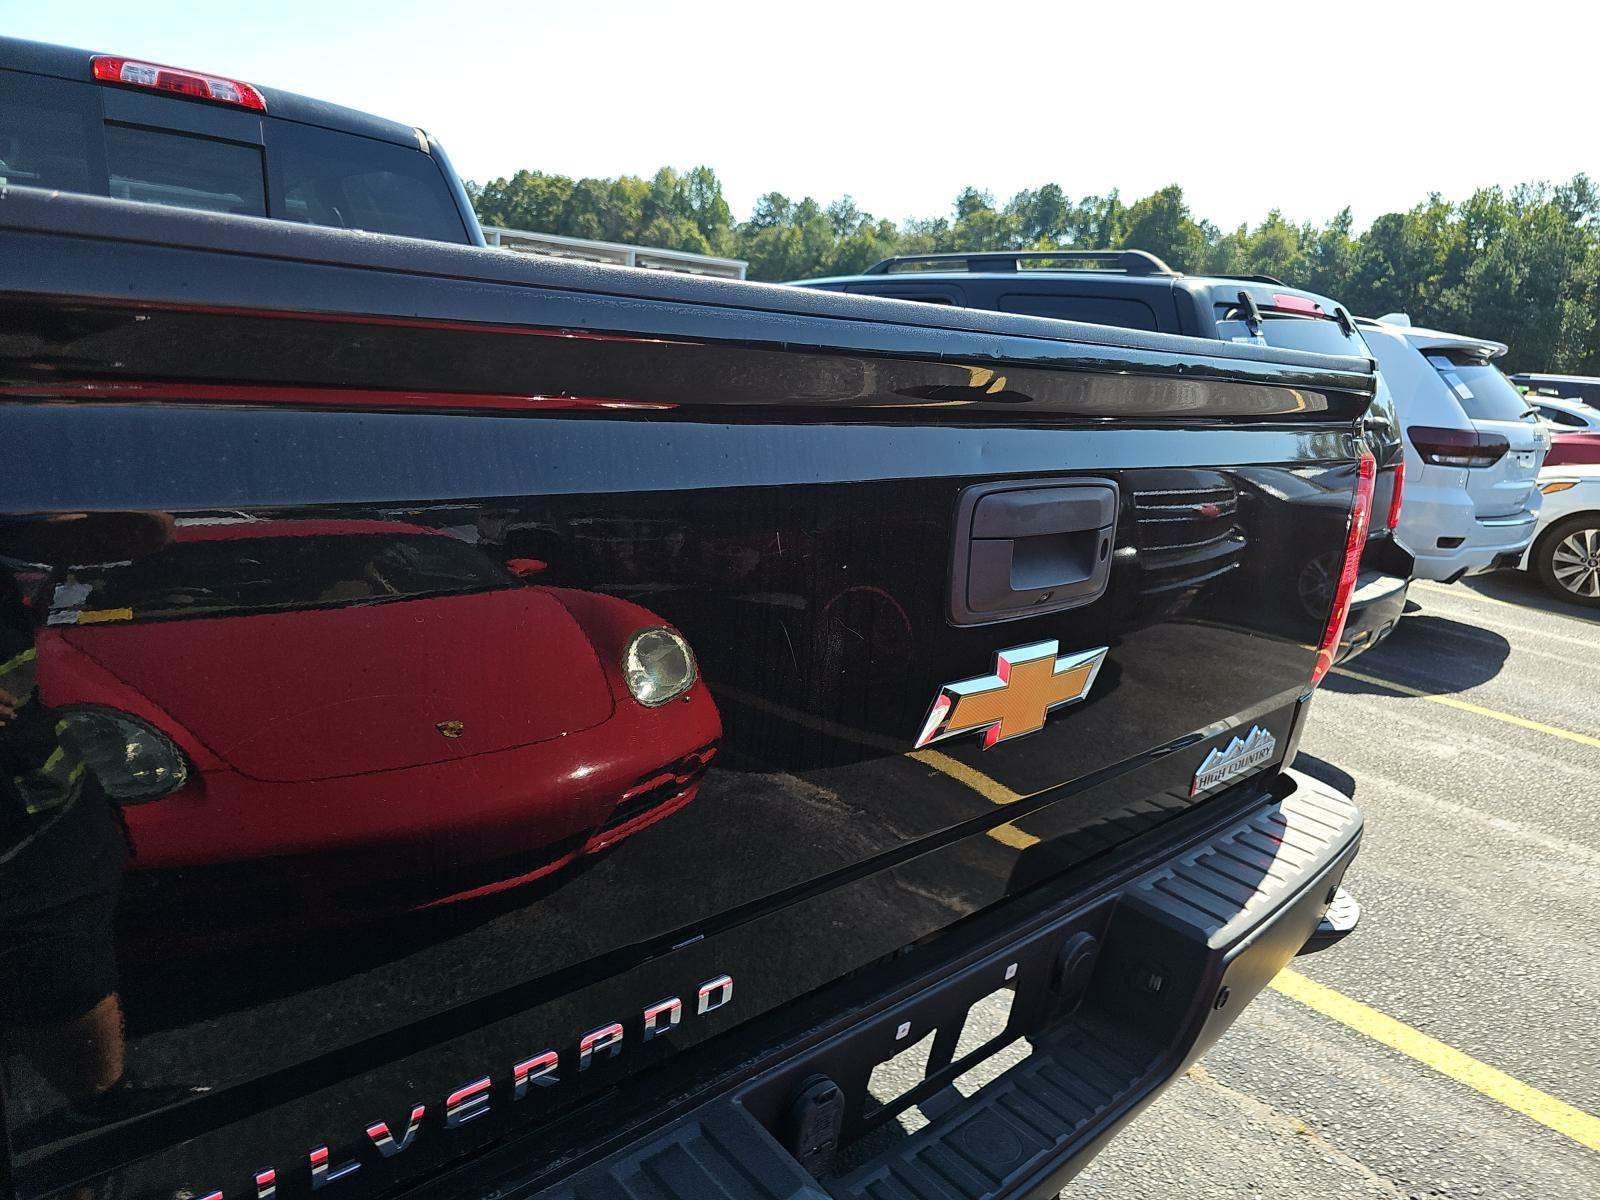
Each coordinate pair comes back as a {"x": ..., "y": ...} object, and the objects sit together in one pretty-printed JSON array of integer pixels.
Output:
[{"x": 83, "y": 121}]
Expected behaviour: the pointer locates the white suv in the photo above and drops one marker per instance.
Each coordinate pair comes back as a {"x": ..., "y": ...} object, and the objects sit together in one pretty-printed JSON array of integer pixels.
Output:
[
  {"x": 1473, "y": 450},
  {"x": 1565, "y": 415}
]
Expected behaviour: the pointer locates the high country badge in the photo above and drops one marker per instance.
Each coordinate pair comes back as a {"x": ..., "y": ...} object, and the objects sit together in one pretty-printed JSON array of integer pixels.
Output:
[
  {"x": 1028, "y": 681},
  {"x": 1239, "y": 757}
]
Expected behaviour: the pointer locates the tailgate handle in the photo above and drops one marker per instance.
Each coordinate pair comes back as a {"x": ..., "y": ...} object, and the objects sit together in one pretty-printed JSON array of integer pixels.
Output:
[{"x": 1029, "y": 547}]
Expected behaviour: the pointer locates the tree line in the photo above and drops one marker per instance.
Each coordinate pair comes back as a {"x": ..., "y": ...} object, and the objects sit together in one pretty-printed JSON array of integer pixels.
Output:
[{"x": 1520, "y": 264}]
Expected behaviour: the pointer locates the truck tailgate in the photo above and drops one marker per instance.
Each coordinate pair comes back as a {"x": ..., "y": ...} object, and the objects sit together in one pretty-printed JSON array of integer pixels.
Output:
[{"x": 978, "y": 602}]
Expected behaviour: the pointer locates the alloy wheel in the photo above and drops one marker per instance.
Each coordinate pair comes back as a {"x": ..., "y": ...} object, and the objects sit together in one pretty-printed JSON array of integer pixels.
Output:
[{"x": 1575, "y": 563}]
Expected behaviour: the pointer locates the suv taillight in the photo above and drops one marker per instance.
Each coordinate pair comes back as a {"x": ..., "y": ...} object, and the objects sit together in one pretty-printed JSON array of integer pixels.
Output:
[
  {"x": 1399, "y": 495},
  {"x": 1355, "y": 538},
  {"x": 109, "y": 68},
  {"x": 1458, "y": 447}
]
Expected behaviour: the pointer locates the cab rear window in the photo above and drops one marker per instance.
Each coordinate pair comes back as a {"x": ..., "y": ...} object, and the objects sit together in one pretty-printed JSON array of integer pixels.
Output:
[
  {"x": 1290, "y": 331},
  {"x": 1484, "y": 392},
  {"x": 352, "y": 182},
  {"x": 54, "y": 134},
  {"x": 161, "y": 167}
]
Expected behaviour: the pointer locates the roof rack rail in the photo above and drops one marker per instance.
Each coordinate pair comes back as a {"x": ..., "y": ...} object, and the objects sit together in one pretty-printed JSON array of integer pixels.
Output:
[{"x": 1129, "y": 262}]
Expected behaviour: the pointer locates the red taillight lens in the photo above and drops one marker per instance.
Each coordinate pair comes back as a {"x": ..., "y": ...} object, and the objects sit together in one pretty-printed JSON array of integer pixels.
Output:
[
  {"x": 1355, "y": 539},
  {"x": 111, "y": 69},
  {"x": 1399, "y": 495},
  {"x": 1458, "y": 447}
]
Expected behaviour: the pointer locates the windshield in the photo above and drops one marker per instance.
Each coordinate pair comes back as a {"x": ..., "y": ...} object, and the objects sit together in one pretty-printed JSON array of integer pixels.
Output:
[
  {"x": 239, "y": 576},
  {"x": 1484, "y": 392}
]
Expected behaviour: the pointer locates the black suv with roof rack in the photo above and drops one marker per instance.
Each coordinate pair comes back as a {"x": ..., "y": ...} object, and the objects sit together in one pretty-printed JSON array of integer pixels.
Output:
[{"x": 1134, "y": 289}]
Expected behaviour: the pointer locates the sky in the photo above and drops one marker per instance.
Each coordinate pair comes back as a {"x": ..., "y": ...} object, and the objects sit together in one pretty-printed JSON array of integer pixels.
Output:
[{"x": 1304, "y": 107}]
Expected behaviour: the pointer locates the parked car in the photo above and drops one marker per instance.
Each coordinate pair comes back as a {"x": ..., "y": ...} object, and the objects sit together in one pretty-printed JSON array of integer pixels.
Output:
[
  {"x": 1572, "y": 449},
  {"x": 1565, "y": 553},
  {"x": 1565, "y": 415},
  {"x": 346, "y": 730},
  {"x": 1136, "y": 290},
  {"x": 1585, "y": 388},
  {"x": 109, "y": 125},
  {"x": 1473, "y": 450},
  {"x": 968, "y": 758}
]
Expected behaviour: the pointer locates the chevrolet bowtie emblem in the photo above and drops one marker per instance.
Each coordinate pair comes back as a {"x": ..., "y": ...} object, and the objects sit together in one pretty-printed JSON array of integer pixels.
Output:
[{"x": 1027, "y": 683}]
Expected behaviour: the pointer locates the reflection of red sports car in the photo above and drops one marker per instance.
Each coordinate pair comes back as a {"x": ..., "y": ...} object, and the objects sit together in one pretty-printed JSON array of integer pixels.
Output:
[{"x": 378, "y": 710}]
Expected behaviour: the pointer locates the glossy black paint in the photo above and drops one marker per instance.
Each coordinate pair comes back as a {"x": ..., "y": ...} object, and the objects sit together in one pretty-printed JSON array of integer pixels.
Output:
[
  {"x": 773, "y": 473},
  {"x": 1192, "y": 304}
]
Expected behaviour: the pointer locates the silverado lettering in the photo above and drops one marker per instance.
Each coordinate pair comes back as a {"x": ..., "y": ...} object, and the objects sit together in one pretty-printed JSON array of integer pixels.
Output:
[{"x": 472, "y": 1100}]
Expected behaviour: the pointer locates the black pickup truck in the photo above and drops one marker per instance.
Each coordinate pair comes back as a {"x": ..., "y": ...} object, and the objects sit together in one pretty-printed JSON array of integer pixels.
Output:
[{"x": 478, "y": 726}]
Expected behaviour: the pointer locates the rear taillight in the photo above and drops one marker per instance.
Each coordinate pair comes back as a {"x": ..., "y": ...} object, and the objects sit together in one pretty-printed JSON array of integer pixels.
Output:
[
  {"x": 1458, "y": 447},
  {"x": 111, "y": 69},
  {"x": 1399, "y": 495},
  {"x": 1355, "y": 538}
]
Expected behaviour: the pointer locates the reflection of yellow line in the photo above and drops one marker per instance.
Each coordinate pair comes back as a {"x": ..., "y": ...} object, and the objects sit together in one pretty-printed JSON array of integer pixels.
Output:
[
  {"x": 990, "y": 789},
  {"x": 1542, "y": 1107},
  {"x": 1583, "y": 739},
  {"x": 17, "y": 660}
]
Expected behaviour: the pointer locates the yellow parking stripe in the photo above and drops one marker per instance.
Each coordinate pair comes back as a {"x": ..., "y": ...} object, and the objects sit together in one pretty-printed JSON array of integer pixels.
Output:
[
  {"x": 1583, "y": 739},
  {"x": 1466, "y": 593},
  {"x": 1581, "y": 1127}
]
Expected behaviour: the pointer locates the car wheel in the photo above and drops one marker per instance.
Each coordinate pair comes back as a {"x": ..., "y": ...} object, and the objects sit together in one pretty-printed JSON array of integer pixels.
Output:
[
  {"x": 1318, "y": 581},
  {"x": 1568, "y": 560}
]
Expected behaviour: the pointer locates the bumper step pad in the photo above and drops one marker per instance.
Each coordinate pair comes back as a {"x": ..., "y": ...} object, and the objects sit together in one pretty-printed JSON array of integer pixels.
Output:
[
  {"x": 1025, "y": 1117},
  {"x": 1182, "y": 949}
]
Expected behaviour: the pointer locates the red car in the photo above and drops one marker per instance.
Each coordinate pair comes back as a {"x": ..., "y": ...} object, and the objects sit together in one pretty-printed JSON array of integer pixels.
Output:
[
  {"x": 463, "y": 731},
  {"x": 1573, "y": 449}
]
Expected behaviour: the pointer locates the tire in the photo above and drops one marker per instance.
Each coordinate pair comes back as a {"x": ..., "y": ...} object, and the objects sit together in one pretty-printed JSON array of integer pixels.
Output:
[{"x": 1568, "y": 560}]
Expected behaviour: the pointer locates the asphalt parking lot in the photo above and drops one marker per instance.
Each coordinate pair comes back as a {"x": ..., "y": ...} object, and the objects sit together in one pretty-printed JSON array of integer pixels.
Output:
[{"x": 1479, "y": 772}]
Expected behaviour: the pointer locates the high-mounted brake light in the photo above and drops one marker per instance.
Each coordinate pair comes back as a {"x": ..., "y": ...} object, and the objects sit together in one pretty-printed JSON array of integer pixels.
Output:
[
  {"x": 1399, "y": 495},
  {"x": 109, "y": 68},
  {"x": 1355, "y": 539},
  {"x": 1295, "y": 304}
]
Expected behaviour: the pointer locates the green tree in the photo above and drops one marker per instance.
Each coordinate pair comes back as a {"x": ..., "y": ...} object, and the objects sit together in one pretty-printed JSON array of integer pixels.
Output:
[
  {"x": 1521, "y": 265},
  {"x": 1162, "y": 224}
]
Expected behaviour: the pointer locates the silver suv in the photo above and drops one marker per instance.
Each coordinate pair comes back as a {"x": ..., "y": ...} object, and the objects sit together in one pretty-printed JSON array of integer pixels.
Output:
[{"x": 1473, "y": 449}]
